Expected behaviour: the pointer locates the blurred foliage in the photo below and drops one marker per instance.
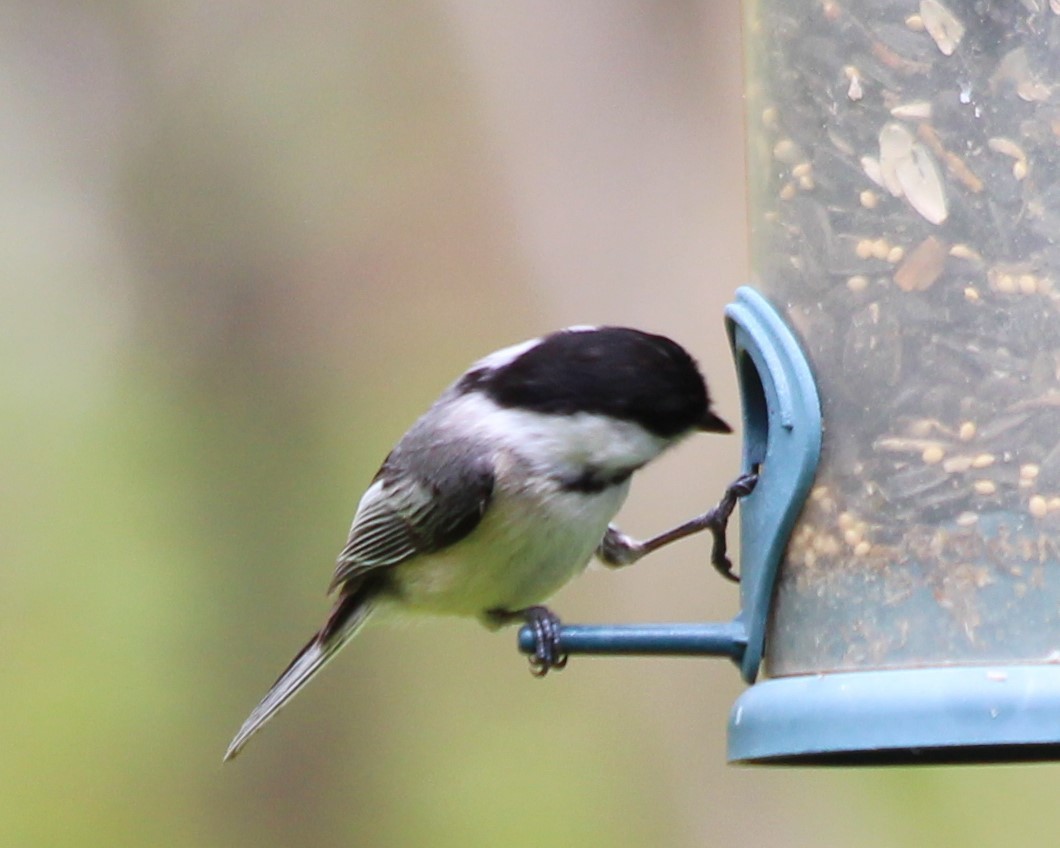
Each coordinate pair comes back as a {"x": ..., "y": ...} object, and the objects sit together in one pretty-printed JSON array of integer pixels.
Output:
[{"x": 244, "y": 246}]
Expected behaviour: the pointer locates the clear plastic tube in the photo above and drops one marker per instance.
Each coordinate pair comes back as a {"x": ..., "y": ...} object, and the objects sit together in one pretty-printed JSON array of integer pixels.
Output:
[{"x": 904, "y": 167}]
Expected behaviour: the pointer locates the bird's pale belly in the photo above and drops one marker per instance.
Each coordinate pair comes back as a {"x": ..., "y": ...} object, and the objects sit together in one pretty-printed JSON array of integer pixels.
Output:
[{"x": 510, "y": 561}]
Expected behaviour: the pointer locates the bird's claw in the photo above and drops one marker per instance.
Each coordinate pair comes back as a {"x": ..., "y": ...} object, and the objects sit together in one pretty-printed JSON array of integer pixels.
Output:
[
  {"x": 547, "y": 654},
  {"x": 724, "y": 567},
  {"x": 718, "y": 523},
  {"x": 743, "y": 485}
]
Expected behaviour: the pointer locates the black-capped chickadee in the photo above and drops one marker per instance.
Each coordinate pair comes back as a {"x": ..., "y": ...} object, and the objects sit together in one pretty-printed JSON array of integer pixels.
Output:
[{"x": 505, "y": 488}]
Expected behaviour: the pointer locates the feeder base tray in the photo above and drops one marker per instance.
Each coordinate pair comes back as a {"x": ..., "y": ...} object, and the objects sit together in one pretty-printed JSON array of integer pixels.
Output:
[{"x": 930, "y": 716}]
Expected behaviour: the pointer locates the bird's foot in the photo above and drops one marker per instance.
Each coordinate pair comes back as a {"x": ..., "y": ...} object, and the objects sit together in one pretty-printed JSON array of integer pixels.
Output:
[
  {"x": 717, "y": 521},
  {"x": 617, "y": 549},
  {"x": 545, "y": 626}
]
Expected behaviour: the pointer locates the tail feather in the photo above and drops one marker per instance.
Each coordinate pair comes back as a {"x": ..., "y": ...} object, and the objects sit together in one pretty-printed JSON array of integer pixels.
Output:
[{"x": 345, "y": 620}]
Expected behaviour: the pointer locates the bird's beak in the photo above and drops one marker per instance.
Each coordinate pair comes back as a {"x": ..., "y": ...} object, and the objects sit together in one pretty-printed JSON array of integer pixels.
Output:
[{"x": 712, "y": 424}]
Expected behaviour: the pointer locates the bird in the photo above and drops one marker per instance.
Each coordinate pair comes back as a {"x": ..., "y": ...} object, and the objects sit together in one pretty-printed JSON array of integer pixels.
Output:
[{"x": 506, "y": 488}]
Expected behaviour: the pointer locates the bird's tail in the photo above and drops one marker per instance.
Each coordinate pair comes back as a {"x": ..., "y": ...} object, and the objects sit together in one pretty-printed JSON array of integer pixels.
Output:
[{"x": 346, "y": 618}]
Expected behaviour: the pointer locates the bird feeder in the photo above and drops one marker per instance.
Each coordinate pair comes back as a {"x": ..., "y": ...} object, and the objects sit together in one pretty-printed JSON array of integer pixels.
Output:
[
  {"x": 898, "y": 353},
  {"x": 905, "y": 208}
]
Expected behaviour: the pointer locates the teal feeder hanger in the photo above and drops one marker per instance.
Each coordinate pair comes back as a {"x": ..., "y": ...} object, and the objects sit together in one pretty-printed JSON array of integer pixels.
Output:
[{"x": 782, "y": 439}]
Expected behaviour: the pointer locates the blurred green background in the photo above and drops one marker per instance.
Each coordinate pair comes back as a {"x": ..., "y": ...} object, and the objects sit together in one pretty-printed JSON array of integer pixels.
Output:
[{"x": 245, "y": 245}]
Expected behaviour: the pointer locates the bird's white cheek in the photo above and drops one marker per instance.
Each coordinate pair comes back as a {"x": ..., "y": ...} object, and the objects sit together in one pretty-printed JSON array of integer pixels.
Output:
[
  {"x": 584, "y": 440},
  {"x": 560, "y": 442}
]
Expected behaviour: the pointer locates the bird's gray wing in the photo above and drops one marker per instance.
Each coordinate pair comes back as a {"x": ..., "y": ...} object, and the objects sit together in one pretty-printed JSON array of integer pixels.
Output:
[{"x": 403, "y": 515}]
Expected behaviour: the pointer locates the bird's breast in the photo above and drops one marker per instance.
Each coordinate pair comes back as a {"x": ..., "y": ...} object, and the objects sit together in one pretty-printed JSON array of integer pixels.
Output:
[{"x": 533, "y": 538}]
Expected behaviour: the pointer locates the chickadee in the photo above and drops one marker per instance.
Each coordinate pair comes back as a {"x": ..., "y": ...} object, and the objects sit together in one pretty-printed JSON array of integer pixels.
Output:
[{"x": 505, "y": 488}]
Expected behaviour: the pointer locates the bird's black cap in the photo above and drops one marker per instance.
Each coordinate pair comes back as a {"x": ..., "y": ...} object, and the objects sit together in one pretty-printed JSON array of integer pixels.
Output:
[{"x": 617, "y": 371}]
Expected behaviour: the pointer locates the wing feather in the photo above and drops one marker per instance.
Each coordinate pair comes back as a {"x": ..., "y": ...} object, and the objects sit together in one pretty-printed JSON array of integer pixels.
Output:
[{"x": 402, "y": 515}]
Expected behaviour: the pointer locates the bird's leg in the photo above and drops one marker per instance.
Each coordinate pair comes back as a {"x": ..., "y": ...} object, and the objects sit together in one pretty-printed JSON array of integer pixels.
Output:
[
  {"x": 618, "y": 549},
  {"x": 545, "y": 624}
]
